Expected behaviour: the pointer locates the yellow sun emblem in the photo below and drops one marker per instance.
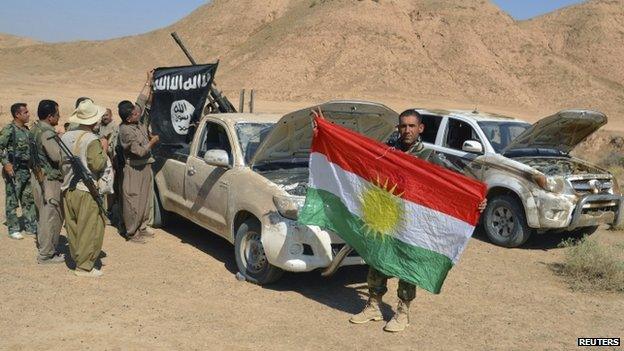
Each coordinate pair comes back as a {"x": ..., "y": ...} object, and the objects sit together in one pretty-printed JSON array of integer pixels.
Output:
[{"x": 382, "y": 208}]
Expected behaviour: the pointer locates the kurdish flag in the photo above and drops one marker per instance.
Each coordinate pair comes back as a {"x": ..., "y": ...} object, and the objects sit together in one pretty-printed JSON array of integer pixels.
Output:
[{"x": 406, "y": 217}]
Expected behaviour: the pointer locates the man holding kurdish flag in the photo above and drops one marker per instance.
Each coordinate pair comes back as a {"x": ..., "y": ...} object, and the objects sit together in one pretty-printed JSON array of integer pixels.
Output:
[{"x": 406, "y": 217}]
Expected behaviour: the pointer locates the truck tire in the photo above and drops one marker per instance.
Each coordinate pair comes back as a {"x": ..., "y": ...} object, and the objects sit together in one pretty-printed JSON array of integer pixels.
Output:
[
  {"x": 160, "y": 215},
  {"x": 505, "y": 222},
  {"x": 250, "y": 257}
]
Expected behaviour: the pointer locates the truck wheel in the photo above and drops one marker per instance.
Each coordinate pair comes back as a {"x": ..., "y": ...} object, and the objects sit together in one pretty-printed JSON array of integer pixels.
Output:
[
  {"x": 505, "y": 222},
  {"x": 250, "y": 257},
  {"x": 160, "y": 215}
]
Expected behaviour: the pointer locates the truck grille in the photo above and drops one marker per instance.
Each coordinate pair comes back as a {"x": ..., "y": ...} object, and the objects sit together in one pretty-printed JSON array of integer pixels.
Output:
[
  {"x": 595, "y": 207},
  {"x": 591, "y": 186}
]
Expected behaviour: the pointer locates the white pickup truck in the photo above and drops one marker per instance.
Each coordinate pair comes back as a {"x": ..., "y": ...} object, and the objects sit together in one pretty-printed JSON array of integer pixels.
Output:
[
  {"x": 534, "y": 185},
  {"x": 244, "y": 177}
]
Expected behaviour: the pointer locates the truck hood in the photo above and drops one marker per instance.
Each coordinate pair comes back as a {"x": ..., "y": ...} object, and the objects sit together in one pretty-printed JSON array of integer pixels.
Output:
[
  {"x": 290, "y": 139},
  {"x": 561, "y": 131}
]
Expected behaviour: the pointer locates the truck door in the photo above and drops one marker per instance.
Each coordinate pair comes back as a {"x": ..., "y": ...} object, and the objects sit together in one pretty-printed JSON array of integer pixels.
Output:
[
  {"x": 457, "y": 132},
  {"x": 207, "y": 185}
]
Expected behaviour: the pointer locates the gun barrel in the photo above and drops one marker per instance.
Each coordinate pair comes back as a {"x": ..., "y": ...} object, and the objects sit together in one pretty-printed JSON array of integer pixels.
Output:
[
  {"x": 181, "y": 45},
  {"x": 220, "y": 101}
]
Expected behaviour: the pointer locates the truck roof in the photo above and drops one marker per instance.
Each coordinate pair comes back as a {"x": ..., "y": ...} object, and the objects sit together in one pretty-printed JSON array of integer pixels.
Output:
[{"x": 476, "y": 115}]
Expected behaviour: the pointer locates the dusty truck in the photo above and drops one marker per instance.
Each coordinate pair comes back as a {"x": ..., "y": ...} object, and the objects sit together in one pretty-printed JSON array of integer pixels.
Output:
[
  {"x": 244, "y": 177},
  {"x": 534, "y": 184}
]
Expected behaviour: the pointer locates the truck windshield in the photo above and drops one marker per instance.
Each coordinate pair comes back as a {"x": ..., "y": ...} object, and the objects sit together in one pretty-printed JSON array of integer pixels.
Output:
[
  {"x": 250, "y": 135},
  {"x": 500, "y": 134}
]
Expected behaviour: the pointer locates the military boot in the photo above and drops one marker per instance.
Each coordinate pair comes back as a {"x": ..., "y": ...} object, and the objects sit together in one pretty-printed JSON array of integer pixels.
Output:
[
  {"x": 371, "y": 312},
  {"x": 400, "y": 320}
]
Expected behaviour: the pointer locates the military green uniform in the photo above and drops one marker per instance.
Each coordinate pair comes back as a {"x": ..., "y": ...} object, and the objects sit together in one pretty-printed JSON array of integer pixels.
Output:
[
  {"x": 16, "y": 144},
  {"x": 49, "y": 200},
  {"x": 84, "y": 222},
  {"x": 377, "y": 281}
]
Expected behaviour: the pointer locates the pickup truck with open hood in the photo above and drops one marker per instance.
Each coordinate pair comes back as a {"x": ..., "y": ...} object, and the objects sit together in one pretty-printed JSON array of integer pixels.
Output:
[
  {"x": 534, "y": 184},
  {"x": 244, "y": 177}
]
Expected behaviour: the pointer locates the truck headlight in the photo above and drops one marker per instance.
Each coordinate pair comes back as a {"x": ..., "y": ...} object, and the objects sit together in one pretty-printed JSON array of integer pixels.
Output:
[
  {"x": 288, "y": 206},
  {"x": 552, "y": 184}
]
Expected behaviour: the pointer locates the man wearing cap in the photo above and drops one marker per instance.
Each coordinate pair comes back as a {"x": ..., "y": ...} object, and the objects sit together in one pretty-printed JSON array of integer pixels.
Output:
[
  {"x": 48, "y": 202},
  {"x": 137, "y": 186},
  {"x": 84, "y": 222},
  {"x": 16, "y": 144}
]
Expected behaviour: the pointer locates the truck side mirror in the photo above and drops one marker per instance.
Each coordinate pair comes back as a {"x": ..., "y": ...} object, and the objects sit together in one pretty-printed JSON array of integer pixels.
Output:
[
  {"x": 472, "y": 146},
  {"x": 217, "y": 157}
]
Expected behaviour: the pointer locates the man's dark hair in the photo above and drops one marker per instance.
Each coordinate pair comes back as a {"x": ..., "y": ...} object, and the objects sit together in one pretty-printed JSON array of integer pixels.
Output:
[
  {"x": 16, "y": 108},
  {"x": 46, "y": 108},
  {"x": 410, "y": 113},
  {"x": 81, "y": 99},
  {"x": 125, "y": 109}
]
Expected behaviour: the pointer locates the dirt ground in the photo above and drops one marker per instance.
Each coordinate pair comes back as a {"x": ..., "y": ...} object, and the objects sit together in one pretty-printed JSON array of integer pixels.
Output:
[{"x": 179, "y": 292}]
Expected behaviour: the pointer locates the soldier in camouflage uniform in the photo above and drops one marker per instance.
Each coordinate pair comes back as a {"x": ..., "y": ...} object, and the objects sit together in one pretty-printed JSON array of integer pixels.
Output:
[
  {"x": 49, "y": 176},
  {"x": 410, "y": 127},
  {"x": 15, "y": 145}
]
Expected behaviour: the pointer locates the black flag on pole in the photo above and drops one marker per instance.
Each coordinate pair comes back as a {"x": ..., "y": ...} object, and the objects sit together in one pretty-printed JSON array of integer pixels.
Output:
[{"x": 178, "y": 100}]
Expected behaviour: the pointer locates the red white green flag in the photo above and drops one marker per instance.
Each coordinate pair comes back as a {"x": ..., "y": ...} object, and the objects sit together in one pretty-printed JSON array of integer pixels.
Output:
[{"x": 405, "y": 217}]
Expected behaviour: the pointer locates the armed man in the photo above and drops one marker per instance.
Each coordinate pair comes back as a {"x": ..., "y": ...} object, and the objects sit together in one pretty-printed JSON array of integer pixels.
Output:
[
  {"x": 84, "y": 219},
  {"x": 136, "y": 145},
  {"x": 16, "y": 146},
  {"x": 49, "y": 175},
  {"x": 410, "y": 127}
]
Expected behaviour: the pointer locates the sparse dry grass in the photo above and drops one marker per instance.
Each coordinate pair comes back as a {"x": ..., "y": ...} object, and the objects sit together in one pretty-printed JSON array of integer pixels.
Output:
[{"x": 590, "y": 266}]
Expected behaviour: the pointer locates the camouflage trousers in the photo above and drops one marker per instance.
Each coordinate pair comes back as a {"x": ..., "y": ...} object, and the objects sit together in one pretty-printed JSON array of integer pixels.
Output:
[
  {"x": 377, "y": 286},
  {"x": 19, "y": 194}
]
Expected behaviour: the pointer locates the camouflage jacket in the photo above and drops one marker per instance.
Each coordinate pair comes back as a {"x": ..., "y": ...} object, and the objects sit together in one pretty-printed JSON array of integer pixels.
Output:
[
  {"x": 16, "y": 146},
  {"x": 420, "y": 151},
  {"x": 48, "y": 152},
  {"x": 417, "y": 150}
]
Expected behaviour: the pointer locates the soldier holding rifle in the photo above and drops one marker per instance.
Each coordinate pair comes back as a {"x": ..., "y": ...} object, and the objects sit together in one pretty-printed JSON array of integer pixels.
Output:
[
  {"x": 84, "y": 214},
  {"x": 15, "y": 143}
]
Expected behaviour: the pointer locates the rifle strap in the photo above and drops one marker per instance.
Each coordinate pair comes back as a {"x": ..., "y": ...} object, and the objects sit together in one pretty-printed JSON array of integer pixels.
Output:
[{"x": 77, "y": 150}]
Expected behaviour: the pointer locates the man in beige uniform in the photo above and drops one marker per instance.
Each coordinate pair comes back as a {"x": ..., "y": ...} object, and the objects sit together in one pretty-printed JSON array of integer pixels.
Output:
[
  {"x": 48, "y": 201},
  {"x": 109, "y": 131},
  {"x": 137, "y": 183},
  {"x": 84, "y": 221}
]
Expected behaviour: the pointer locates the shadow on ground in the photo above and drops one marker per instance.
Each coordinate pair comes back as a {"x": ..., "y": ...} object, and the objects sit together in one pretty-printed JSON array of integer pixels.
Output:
[
  {"x": 335, "y": 292},
  {"x": 544, "y": 242},
  {"x": 204, "y": 240}
]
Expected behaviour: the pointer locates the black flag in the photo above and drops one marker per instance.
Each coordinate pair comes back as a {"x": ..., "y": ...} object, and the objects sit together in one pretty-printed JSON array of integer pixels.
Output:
[{"x": 179, "y": 98}]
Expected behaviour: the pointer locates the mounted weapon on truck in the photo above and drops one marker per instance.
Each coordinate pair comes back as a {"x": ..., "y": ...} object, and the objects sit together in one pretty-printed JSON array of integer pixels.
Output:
[{"x": 216, "y": 100}]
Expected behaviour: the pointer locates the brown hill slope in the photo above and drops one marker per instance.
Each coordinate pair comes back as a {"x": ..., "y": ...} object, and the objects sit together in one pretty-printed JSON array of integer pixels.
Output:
[
  {"x": 12, "y": 41},
  {"x": 414, "y": 51},
  {"x": 590, "y": 35}
]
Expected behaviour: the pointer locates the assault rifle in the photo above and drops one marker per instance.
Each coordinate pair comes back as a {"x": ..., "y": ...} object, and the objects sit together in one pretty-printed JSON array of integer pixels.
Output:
[
  {"x": 35, "y": 160},
  {"x": 81, "y": 173},
  {"x": 216, "y": 100}
]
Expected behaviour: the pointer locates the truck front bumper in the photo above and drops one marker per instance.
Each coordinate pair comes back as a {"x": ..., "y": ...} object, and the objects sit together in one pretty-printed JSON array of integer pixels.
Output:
[
  {"x": 568, "y": 213},
  {"x": 597, "y": 209},
  {"x": 301, "y": 248}
]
